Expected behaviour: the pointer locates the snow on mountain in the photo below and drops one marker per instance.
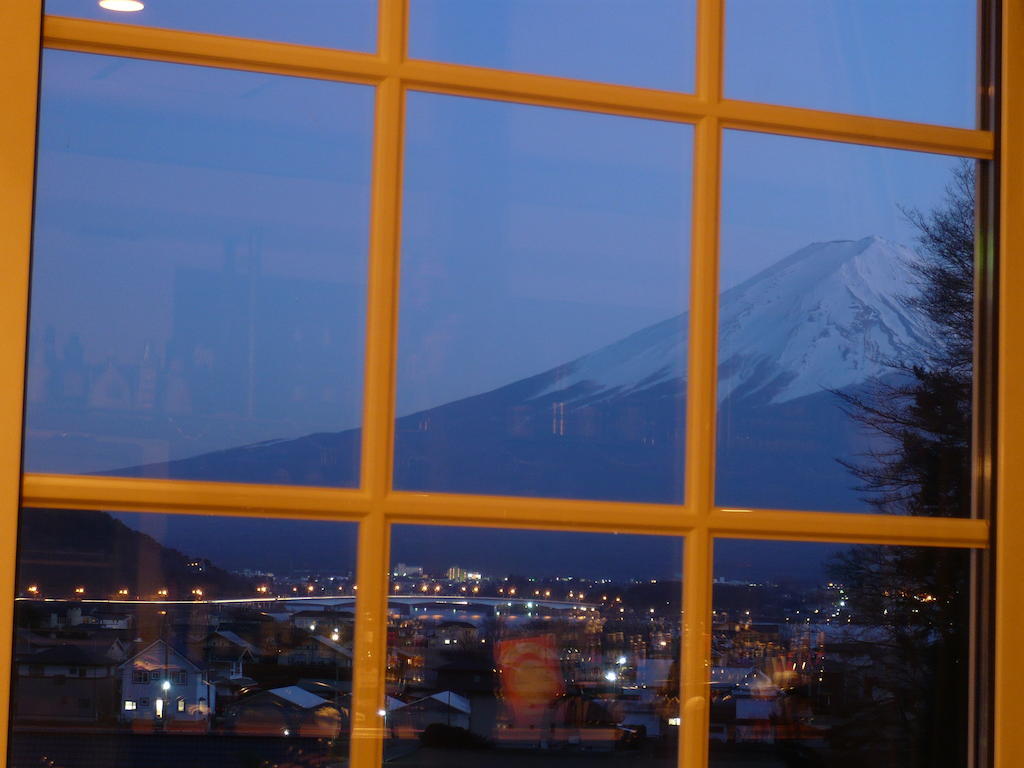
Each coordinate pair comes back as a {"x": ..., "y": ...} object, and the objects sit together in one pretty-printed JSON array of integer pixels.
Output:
[{"x": 826, "y": 317}]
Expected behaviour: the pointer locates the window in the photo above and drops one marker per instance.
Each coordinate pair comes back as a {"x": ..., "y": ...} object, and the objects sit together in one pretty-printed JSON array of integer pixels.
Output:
[
  {"x": 129, "y": 705},
  {"x": 422, "y": 193},
  {"x": 181, "y": 677}
]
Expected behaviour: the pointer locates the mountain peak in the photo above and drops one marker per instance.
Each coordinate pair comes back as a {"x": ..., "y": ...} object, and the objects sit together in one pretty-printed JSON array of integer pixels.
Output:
[{"x": 828, "y": 316}]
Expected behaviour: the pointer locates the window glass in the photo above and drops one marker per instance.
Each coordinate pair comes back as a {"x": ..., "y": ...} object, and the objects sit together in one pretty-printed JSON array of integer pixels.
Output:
[
  {"x": 542, "y": 330},
  {"x": 351, "y": 24},
  {"x": 647, "y": 43},
  {"x": 839, "y": 655},
  {"x": 532, "y": 648},
  {"x": 846, "y": 328},
  {"x": 218, "y": 640},
  {"x": 907, "y": 60},
  {"x": 199, "y": 275}
]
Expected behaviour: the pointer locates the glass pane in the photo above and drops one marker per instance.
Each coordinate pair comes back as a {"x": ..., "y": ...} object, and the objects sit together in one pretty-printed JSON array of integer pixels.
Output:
[
  {"x": 846, "y": 328},
  {"x": 544, "y": 281},
  {"x": 907, "y": 60},
  {"x": 351, "y": 24},
  {"x": 839, "y": 655},
  {"x": 647, "y": 43},
  {"x": 149, "y": 639},
  {"x": 531, "y": 648},
  {"x": 199, "y": 275}
]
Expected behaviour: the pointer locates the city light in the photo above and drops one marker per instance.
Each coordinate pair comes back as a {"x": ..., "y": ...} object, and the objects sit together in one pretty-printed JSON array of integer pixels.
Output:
[
  {"x": 611, "y": 676},
  {"x": 79, "y": 590},
  {"x": 33, "y": 590}
]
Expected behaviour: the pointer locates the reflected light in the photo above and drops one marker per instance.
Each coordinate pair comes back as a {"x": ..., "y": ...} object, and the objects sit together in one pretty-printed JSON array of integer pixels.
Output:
[{"x": 127, "y": 6}]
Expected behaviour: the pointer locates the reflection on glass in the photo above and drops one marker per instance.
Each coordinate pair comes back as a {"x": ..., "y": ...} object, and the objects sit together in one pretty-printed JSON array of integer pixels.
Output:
[
  {"x": 199, "y": 273},
  {"x": 839, "y": 655},
  {"x": 911, "y": 60},
  {"x": 544, "y": 279},
  {"x": 647, "y": 43},
  {"x": 350, "y": 25},
  {"x": 532, "y": 648},
  {"x": 146, "y": 639},
  {"x": 846, "y": 328}
]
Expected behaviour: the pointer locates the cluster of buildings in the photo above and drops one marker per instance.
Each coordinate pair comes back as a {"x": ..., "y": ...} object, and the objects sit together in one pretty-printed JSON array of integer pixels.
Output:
[
  {"x": 465, "y": 654},
  {"x": 519, "y": 663},
  {"x": 179, "y": 667},
  {"x": 528, "y": 663}
]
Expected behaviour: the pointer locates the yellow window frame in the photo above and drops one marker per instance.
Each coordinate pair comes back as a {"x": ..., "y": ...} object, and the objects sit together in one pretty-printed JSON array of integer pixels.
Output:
[{"x": 374, "y": 505}]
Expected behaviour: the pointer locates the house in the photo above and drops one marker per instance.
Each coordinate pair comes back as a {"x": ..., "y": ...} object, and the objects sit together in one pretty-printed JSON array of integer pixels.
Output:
[
  {"x": 227, "y": 653},
  {"x": 285, "y": 711},
  {"x": 65, "y": 683},
  {"x": 445, "y": 707},
  {"x": 161, "y": 684},
  {"x": 114, "y": 648},
  {"x": 317, "y": 650}
]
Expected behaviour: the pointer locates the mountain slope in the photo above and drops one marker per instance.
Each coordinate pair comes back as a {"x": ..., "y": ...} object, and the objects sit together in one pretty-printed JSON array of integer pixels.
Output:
[
  {"x": 610, "y": 424},
  {"x": 60, "y": 549},
  {"x": 825, "y": 317}
]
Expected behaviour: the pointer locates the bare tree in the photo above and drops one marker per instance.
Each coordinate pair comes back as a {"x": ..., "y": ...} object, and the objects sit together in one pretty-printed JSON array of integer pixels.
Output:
[{"x": 913, "y": 600}]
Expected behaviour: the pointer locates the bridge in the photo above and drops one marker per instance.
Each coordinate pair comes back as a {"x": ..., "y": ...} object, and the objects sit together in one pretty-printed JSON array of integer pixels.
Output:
[{"x": 311, "y": 602}]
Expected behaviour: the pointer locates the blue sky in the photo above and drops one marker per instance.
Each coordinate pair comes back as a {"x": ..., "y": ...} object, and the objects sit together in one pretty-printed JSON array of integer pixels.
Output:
[{"x": 531, "y": 235}]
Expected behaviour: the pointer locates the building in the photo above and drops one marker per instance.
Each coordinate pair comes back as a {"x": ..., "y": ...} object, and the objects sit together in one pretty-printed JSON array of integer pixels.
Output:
[
  {"x": 317, "y": 650},
  {"x": 227, "y": 653},
  {"x": 159, "y": 684},
  {"x": 66, "y": 683},
  {"x": 284, "y": 711}
]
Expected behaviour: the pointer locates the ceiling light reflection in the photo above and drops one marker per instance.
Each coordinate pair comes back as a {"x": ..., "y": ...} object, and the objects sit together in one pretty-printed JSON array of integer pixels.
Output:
[{"x": 127, "y": 6}]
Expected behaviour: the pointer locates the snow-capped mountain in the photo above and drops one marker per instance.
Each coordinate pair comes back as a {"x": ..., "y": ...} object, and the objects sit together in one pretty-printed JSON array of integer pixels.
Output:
[
  {"x": 610, "y": 425},
  {"x": 826, "y": 317},
  {"x": 829, "y": 316}
]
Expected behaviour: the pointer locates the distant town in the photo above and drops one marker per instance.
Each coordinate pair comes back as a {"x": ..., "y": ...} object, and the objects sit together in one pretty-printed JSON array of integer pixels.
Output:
[{"x": 475, "y": 660}]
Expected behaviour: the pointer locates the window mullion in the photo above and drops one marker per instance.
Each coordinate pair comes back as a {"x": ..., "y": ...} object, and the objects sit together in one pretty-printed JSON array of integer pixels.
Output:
[
  {"x": 370, "y": 651},
  {"x": 19, "y": 58},
  {"x": 700, "y": 442},
  {"x": 1009, "y": 599},
  {"x": 701, "y": 384}
]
